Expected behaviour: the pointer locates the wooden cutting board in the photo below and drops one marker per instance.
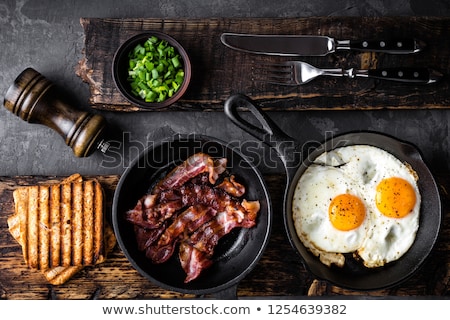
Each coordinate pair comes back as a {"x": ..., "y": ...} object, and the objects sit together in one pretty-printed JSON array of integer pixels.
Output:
[
  {"x": 219, "y": 71},
  {"x": 278, "y": 274}
]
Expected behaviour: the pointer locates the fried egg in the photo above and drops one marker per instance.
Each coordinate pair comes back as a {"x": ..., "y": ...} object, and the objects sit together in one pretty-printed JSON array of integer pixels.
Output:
[
  {"x": 330, "y": 215},
  {"x": 358, "y": 199}
]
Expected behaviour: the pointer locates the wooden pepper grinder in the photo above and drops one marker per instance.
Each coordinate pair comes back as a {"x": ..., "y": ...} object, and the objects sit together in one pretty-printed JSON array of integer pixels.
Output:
[{"x": 35, "y": 99}]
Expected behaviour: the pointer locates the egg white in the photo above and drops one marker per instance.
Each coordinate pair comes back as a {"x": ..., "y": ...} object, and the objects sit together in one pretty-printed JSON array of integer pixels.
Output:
[
  {"x": 312, "y": 197},
  {"x": 356, "y": 170},
  {"x": 388, "y": 238}
]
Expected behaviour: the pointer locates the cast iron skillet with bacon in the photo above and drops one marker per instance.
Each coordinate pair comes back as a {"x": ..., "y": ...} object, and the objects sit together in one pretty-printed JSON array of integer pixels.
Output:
[{"x": 189, "y": 202}]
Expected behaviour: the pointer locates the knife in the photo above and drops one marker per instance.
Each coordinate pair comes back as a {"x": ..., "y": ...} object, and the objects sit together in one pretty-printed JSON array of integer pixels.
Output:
[{"x": 306, "y": 45}]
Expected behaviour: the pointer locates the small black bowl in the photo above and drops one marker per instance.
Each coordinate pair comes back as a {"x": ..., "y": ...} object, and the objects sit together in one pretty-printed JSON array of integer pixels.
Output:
[{"x": 121, "y": 62}]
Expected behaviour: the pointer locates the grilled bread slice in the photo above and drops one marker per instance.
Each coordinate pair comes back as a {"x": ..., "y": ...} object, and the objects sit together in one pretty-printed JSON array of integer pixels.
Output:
[
  {"x": 60, "y": 275},
  {"x": 61, "y": 227}
]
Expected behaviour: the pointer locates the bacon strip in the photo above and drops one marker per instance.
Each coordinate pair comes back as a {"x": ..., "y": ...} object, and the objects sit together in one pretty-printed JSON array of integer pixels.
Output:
[
  {"x": 146, "y": 237},
  {"x": 206, "y": 237},
  {"x": 190, "y": 168},
  {"x": 150, "y": 212},
  {"x": 232, "y": 187},
  {"x": 187, "y": 222},
  {"x": 173, "y": 200},
  {"x": 196, "y": 252},
  {"x": 187, "y": 208},
  {"x": 193, "y": 261}
]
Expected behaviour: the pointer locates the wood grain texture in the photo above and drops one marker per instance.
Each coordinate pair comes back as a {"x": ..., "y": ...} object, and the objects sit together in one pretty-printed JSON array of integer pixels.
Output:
[
  {"x": 219, "y": 71},
  {"x": 278, "y": 274}
]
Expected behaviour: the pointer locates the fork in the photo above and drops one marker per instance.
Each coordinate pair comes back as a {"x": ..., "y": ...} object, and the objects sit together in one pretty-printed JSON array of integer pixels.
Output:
[{"x": 299, "y": 72}]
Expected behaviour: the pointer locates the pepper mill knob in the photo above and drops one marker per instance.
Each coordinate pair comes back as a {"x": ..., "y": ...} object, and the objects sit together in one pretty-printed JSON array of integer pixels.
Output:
[{"x": 35, "y": 99}]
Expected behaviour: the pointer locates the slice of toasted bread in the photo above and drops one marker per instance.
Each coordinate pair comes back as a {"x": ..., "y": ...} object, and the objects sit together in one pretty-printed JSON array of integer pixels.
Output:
[
  {"x": 60, "y": 275},
  {"x": 61, "y": 226}
]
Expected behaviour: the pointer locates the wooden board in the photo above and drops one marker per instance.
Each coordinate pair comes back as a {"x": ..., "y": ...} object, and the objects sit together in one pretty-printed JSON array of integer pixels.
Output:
[
  {"x": 278, "y": 274},
  {"x": 219, "y": 71}
]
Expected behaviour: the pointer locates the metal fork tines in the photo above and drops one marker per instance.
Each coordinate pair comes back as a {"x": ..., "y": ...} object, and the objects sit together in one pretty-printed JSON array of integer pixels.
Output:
[
  {"x": 281, "y": 73},
  {"x": 295, "y": 73}
]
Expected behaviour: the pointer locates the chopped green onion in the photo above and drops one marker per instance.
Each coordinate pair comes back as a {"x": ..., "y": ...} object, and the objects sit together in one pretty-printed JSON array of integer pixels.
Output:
[
  {"x": 155, "y": 70},
  {"x": 176, "y": 63}
]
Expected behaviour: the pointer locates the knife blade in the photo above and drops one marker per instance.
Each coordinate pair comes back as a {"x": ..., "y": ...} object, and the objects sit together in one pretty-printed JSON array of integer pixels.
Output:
[{"x": 308, "y": 45}]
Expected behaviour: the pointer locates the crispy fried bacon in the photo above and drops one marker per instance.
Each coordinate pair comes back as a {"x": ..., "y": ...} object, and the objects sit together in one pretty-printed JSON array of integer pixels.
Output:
[
  {"x": 145, "y": 237},
  {"x": 193, "y": 261},
  {"x": 188, "y": 208},
  {"x": 151, "y": 216},
  {"x": 152, "y": 210},
  {"x": 206, "y": 237},
  {"x": 187, "y": 222},
  {"x": 190, "y": 168},
  {"x": 232, "y": 187},
  {"x": 196, "y": 252}
]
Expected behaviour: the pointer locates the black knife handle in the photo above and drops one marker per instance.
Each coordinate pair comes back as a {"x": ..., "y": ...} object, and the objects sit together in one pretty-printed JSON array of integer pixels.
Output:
[
  {"x": 411, "y": 75},
  {"x": 394, "y": 46}
]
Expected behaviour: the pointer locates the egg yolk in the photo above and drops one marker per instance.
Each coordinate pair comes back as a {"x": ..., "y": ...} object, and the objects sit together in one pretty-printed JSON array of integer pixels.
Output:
[
  {"x": 395, "y": 197},
  {"x": 346, "y": 212}
]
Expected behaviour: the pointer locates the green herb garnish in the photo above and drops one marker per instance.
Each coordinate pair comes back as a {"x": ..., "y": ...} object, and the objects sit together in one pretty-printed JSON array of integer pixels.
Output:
[{"x": 155, "y": 70}]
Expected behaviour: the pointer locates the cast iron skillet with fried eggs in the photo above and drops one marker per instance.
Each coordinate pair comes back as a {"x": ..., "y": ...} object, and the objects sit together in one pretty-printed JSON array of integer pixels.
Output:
[{"x": 297, "y": 158}]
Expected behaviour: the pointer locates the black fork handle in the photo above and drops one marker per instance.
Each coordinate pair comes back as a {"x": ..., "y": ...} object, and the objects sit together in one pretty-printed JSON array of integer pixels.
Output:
[{"x": 408, "y": 75}]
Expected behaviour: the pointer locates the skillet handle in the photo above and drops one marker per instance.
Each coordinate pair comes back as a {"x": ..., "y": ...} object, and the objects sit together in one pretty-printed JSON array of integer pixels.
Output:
[
  {"x": 269, "y": 133},
  {"x": 226, "y": 294}
]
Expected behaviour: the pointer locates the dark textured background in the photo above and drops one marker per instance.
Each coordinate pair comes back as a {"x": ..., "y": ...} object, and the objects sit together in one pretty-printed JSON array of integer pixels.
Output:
[{"x": 47, "y": 36}]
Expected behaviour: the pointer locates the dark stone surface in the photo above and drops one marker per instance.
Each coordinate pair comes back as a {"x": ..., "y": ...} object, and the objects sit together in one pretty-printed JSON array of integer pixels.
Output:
[{"x": 47, "y": 36}]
